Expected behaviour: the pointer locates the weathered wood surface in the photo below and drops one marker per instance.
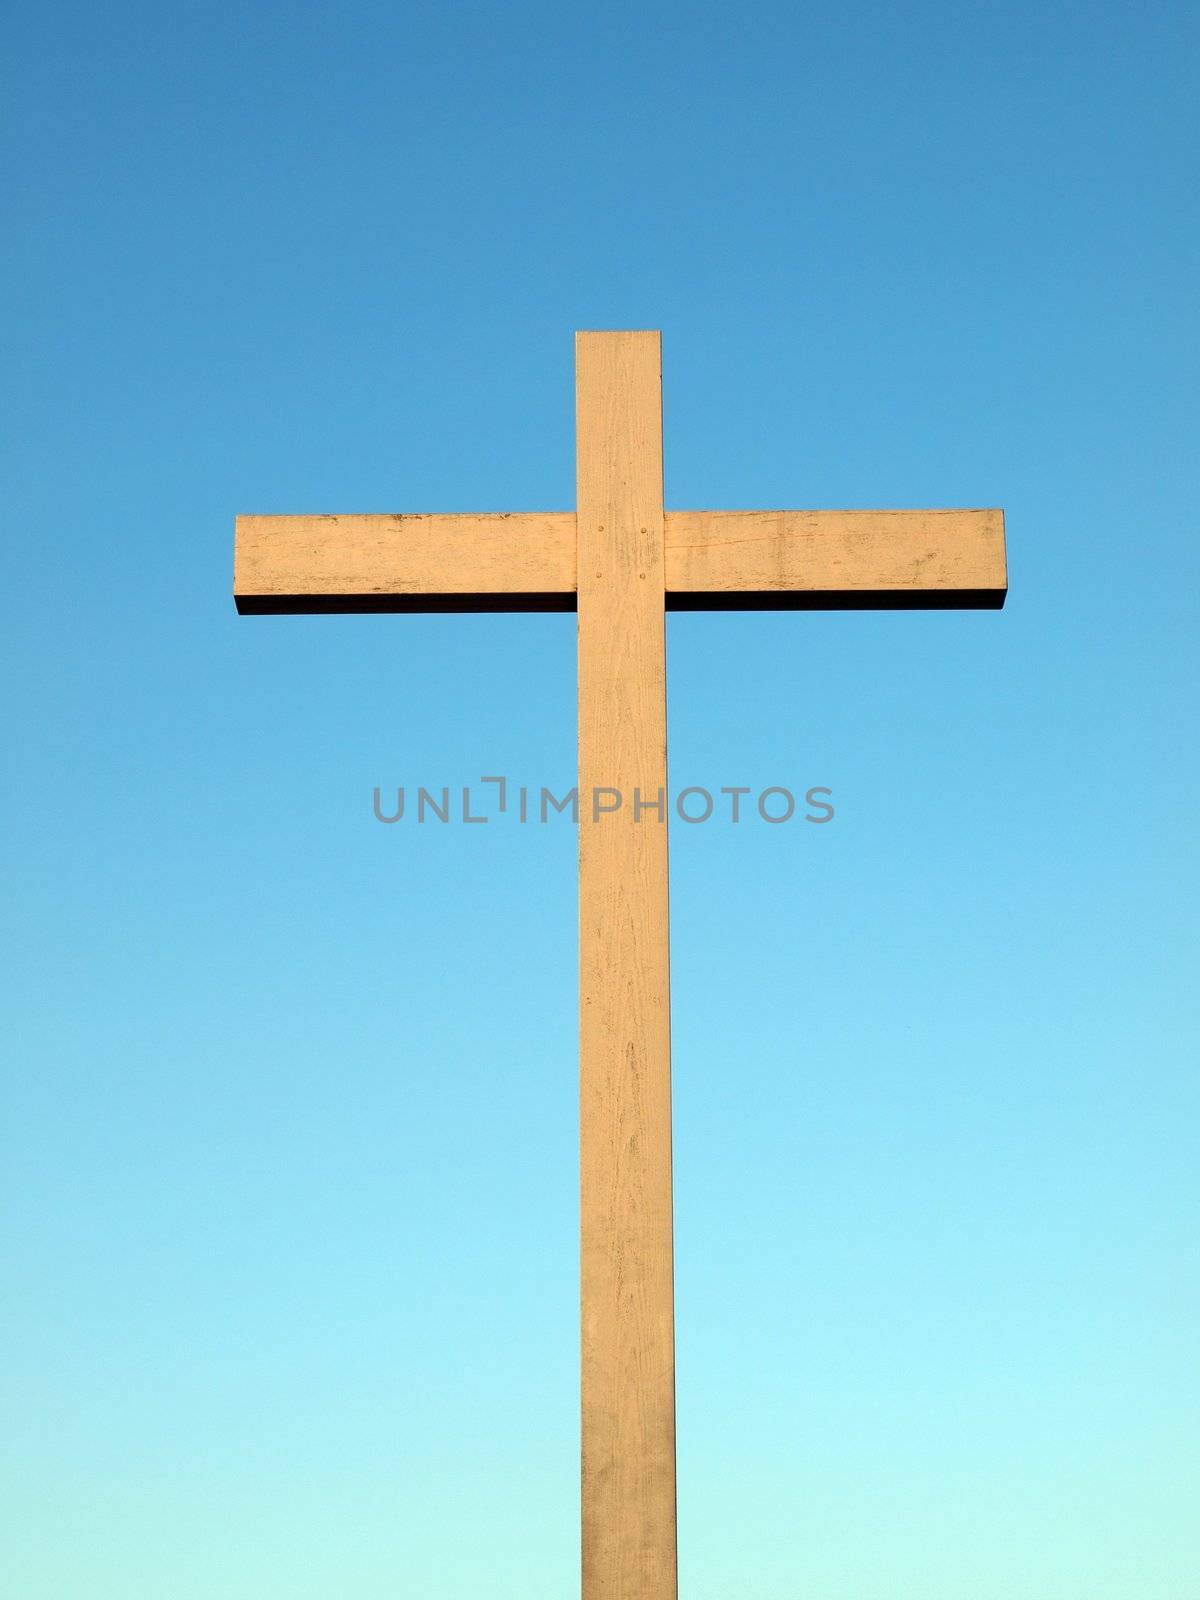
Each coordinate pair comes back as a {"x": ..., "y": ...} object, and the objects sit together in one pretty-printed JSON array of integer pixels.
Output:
[
  {"x": 524, "y": 561},
  {"x": 715, "y": 560},
  {"x": 628, "y": 1363},
  {"x": 744, "y": 559}
]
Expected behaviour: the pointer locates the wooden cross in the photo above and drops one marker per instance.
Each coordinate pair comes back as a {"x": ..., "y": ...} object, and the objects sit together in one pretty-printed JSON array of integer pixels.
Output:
[{"x": 621, "y": 561}]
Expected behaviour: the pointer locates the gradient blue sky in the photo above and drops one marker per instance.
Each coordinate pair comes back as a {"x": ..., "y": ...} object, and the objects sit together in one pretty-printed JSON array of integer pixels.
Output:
[{"x": 289, "y": 1106}]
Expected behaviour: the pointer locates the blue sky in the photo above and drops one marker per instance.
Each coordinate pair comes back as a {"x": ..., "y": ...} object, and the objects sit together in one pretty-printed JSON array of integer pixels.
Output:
[{"x": 289, "y": 1106}]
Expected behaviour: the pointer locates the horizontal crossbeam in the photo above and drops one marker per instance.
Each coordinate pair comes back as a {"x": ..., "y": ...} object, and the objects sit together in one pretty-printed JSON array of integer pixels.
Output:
[
  {"x": 519, "y": 562},
  {"x": 715, "y": 561}
]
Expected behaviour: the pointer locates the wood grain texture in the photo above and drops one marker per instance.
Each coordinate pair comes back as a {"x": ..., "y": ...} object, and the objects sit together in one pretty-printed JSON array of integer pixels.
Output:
[
  {"x": 715, "y": 560},
  {"x": 520, "y": 561},
  {"x": 628, "y": 1365},
  {"x": 741, "y": 559}
]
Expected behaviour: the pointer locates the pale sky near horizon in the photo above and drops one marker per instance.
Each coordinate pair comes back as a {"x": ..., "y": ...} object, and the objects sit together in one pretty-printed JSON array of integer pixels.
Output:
[{"x": 289, "y": 1152}]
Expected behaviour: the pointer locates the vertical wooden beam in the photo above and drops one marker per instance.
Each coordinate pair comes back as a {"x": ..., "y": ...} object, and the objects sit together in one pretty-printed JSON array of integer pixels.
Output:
[{"x": 628, "y": 1356}]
